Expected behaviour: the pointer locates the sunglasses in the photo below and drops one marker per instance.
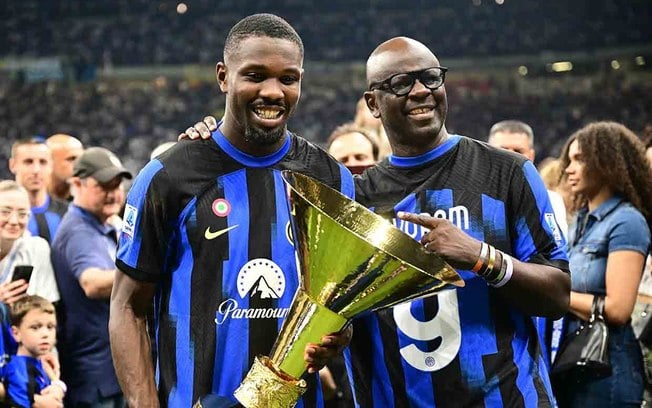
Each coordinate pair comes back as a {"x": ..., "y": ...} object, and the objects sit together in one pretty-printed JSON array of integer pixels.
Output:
[{"x": 401, "y": 84}]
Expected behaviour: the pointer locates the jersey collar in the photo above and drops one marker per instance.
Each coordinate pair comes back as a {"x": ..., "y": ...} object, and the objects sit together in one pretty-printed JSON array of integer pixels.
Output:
[
  {"x": 401, "y": 161},
  {"x": 247, "y": 159}
]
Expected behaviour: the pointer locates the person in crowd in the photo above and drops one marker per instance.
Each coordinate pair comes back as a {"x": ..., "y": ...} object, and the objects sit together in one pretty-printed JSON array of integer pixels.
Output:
[
  {"x": 205, "y": 228},
  {"x": 647, "y": 139},
  {"x": 28, "y": 382},
  {"x": 364, "y": 119},
  {"x": 31, "y": 164},
  {"x": 487, "y": 213},
  {"x": 160, "y": 149},
  {"x": 353, "y": 146},
  {"x": 65, "y": 150},
  {"x": 605, "y": 166},
  {"x": 642, "y": 315},
  {"x": 20, "y": 251},
  {"x": 83, "y": 256},
  {"x": 518, "y": 137}
]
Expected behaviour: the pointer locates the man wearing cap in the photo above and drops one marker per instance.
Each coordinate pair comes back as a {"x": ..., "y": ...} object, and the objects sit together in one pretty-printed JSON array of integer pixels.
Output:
[{"x": 83, "y": 256}]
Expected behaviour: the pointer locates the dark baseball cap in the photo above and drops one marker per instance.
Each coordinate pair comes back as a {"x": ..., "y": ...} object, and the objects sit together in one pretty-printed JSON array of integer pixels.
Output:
[{"x": 101, "y": 164}]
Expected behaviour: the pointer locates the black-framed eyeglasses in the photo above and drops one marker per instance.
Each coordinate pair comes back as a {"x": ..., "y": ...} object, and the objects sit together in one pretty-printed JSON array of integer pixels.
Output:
[{"x": 401, "y": 84}]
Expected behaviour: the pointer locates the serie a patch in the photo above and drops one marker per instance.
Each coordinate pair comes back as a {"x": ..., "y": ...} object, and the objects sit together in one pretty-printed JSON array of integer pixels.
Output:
[{"x": 129, "y": 223}]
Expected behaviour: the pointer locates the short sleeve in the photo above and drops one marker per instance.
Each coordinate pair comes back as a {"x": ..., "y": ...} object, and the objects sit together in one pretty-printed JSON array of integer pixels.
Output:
[
  {"x": 347, "y": 186},
  {"x": 630, "y": 232},
  {"x": 145, "y": 229},
  {"x": 81, "y": 251},
  {"x": 15, "y": 383},
  {"x": 538, "y": 235}
]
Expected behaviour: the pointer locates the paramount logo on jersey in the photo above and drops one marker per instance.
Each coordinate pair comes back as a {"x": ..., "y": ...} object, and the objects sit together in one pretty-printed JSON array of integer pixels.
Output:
[
  {"x": 258, "y": 279},
  {"x": 458, "y": 215}
]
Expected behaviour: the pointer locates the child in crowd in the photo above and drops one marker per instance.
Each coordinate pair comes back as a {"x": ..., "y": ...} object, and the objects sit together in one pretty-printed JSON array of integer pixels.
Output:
[{"x": 27, "y": 380}]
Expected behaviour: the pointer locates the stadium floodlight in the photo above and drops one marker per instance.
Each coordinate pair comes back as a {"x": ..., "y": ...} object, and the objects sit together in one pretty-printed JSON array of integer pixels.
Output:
[{"x": 562, "y": 66}]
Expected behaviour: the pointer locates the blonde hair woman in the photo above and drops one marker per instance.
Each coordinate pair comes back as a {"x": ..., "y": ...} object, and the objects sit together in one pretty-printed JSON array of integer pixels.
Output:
[{"x": 18, "y": 248}]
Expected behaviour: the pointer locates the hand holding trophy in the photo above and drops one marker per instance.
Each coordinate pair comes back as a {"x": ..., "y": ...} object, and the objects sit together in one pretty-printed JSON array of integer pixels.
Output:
[{"x": 351, "y": 261}]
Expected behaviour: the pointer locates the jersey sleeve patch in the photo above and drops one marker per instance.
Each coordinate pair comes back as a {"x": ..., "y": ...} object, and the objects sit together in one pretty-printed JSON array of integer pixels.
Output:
[{"x": 129, "y": 222}]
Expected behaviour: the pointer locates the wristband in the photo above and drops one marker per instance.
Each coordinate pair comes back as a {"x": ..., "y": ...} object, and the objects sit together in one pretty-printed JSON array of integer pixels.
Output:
[
  {"x": 61, "y": 385},
  {"x": 509, "y": 270},
  {"x": 484, "y": 248},
  {"x": 492, "y": 260},
  {"x": 494, "y": 275}
]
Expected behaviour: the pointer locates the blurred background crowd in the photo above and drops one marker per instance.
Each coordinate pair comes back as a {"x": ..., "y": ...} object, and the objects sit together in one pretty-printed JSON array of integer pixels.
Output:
[{"x": 129, "y": 75}]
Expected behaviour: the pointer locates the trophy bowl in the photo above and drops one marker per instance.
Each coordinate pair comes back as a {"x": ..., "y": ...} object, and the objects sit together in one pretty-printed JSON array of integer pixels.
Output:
[{"x": 351, "y": 261}]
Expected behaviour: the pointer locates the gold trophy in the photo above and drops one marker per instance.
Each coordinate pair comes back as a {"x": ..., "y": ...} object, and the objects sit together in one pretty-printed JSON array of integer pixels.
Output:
[{"x": 351, "y": 261}]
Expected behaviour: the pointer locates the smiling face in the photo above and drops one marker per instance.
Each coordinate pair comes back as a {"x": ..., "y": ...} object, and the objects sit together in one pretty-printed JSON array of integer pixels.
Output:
[
  {"x": 415, "y": 120},
  {"x": 14, "y": 214},
  {"x": 36, "y": 334},
  {"x": 262, "y": 83}
]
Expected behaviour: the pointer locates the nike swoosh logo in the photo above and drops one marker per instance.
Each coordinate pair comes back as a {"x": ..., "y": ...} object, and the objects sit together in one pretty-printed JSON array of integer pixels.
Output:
[{"x": 212, "y": 235}]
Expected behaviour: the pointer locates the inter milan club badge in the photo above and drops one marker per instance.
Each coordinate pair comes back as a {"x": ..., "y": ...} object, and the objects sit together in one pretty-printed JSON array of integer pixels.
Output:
[{"x": 221, "y": 207}]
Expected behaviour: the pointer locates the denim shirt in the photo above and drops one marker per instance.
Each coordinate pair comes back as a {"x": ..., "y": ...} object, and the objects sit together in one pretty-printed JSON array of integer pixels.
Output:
[{"x": 615, "y": 225}]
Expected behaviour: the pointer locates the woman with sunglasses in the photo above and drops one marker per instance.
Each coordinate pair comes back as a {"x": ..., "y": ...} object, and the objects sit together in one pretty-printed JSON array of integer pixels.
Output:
[{"x": 611, "y": 184}]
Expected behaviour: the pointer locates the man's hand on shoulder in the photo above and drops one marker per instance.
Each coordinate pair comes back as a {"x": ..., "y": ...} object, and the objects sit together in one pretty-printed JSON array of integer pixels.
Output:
[{"x": 200, "y": 129}]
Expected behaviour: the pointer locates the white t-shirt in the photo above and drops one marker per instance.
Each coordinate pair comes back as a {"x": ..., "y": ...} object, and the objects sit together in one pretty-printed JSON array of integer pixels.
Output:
[
  {"x": 559, "y": 209},
  {"x": 33, "y": 251}
]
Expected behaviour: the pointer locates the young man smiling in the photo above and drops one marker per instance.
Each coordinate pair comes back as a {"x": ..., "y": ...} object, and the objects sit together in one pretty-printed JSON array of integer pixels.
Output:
[
  {"x": 487, "y": 213},
  {"x": 205, "y": 228}
]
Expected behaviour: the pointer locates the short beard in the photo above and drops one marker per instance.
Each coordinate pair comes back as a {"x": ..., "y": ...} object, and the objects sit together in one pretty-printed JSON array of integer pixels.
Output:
[{"x": 263, "y": 137}]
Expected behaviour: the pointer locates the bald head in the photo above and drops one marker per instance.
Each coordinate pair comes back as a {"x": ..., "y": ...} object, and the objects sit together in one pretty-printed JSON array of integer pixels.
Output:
[
  {"x": 402, "y": 52},
  {"x": 65, "y": 149},
  {"x": 63, "y": 141},
  {"x": 414, "y": 116}
]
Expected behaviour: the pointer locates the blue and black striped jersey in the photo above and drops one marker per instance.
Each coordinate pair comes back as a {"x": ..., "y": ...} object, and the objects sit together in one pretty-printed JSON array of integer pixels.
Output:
[
  {"x": 468, "y": 346},
  {"x": 45, "y": 219},
  {"x": 210, "y": 224}
]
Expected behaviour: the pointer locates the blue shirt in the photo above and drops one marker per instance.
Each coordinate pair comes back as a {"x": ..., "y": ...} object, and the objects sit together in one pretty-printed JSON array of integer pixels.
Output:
[
  {"x": 45, "y": 219},
  {"x": 211, "y": 225},
  {"x": 8, "y": 346},
  {"x": 83, "y": 242},
  {"x": 616, "y": 225},
  {"x": 465, "y": 347},
  {"x": 25, "y": 377}
]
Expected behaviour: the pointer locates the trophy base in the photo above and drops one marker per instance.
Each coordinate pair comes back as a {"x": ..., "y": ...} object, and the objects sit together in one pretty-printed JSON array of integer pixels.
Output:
[{"x": 266, "y": 386}]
